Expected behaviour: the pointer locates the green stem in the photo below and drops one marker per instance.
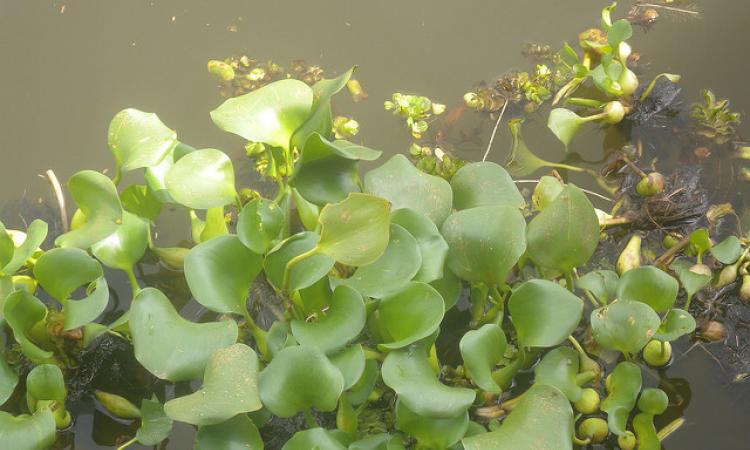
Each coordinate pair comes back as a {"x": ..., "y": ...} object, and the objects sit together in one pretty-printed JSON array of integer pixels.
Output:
[
  {"x": 259, "y": 335},
  {"x": 134, "y": 287},
  {"x": 478, "y": 299},
  {"x": 294, "y": 261},
  {"x": 578, "y": 101},
  {"x": 569, "y": 281},
  {"x": 127, "y": 444},
  {"x": 118, "y": 175},
  {"x": 310, "y": 420},
  {"x": 687, "y": 302}
]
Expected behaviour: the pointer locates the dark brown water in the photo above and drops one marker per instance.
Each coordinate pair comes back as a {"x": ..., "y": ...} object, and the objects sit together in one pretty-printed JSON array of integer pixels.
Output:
[{"x": 69, "y": 66}]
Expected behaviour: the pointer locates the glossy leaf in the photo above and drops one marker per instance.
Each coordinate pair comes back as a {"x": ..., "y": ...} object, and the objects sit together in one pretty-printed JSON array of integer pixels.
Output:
[
  {"x": 351, "y": 363},
  {"x": 45, "y": 382},
  {"x": 410, "y": 314},
  {"x": 559, "y": 369},
  {"x": 429, "y": 432},
  {"x": 450, "y": 288},
  {"x": 259, "y": 223},
  {"x": 565, "y": 124},
  {"x": 126, "y": 246},
  {"x": 22, "y": 311},
  {"x": 343, "y": 322},
  {"x": 355, "y": 231},
  {"x": 155, "y": 424},
  {"x": 432, "y": 245},
  {"x": 286, "y": 387},
  {"x": 542, "y": 420},
  {"x": 303, "y": 274},
  {"x": 230, "y": 387},
  {"x": 269, "y": 114},
  {"x": 7, "y": 247},
  {"x": 676, "y": 323},
  {"x": 405, "y": 186},
  {"x": 484, "y": 184},
  {"x": 237, "y": 433},
  {"x": 202, "y": 179},
  {"x": 601, "y": 283},
  {"x": 481, "y": 350},
  {"x": 155, "y": 176},
  {"x": 727, "y": 251},
  {"x": 566, "y": 233},
  {"x": 624, "y": 385},
  {"x": 650, "y": 285},
  {"x": 34, "y": 236},
  {"x": 544, "y": 313},
  {"x": 139, "y": 139},
  {"x": 396, "y": 266},
  {"x": 645, "y": 432},
  {"x": 169, "y": 346},
  {"x": 219, "y": 273},
  {"x": 140, "y": 200},
  {"x": 308, "y": 212},
  {"x": 8, "y": 379},
  {"x": 314, "y": 438},
  {"x": 485, "y": 242},
  {"x": 409, "y": 373},
  {"x": 691, "y": 281},
  {"x": 96, "y": 197},
  {"x": 625, "y": 326},
  {"x": 26, "y": 432},
  {"x": 546, "y": 191}
]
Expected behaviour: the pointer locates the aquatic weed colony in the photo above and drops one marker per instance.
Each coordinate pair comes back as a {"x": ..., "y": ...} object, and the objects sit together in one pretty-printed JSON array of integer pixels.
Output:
[{"x": 421, "y": 300}]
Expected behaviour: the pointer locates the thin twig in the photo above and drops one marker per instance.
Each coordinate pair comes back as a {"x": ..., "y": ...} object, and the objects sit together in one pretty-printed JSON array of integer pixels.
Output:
[
  {"x": 595, "y": 194},
  {"x": 494, "y": 131},
  {"x": 57, "y": 189}
]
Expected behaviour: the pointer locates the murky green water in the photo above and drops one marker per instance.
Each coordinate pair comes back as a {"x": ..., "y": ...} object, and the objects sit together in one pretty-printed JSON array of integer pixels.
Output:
[{"x": 69, "y": 66}]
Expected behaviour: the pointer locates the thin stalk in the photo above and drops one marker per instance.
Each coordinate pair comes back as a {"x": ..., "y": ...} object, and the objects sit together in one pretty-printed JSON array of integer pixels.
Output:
[
  {"x": 57, "y": 189},
  {"x": 569, "y": 281},
  {"x": 667, "y": 256},
  {"x": 589, "y": 102},
  {"x": 118, "y": 175},
  {"x": 494, "y": 131},
  {"x": 134, "y": 287},
  {"x": 294, "y": 261},
  {"x": 309, "y": 419},
  {"x": 127, "y": 444},
  {"x": 615, "y": 221},
  {"x": 670, "y": 428}
]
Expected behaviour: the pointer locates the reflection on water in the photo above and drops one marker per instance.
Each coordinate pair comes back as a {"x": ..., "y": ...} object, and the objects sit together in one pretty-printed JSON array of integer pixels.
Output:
[{"x": 70, "y": 65}]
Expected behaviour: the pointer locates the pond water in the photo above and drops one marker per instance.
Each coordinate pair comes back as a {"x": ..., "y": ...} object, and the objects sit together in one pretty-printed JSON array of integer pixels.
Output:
[{"x": 71, "y": 65}]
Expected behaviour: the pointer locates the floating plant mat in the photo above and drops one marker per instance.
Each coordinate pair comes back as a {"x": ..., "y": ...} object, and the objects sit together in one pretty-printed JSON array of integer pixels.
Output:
[{"x": 425, "y": 303}]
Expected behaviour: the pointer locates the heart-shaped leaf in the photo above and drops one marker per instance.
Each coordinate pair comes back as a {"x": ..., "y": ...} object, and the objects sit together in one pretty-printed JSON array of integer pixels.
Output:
[
  {"x": 355, "y": 231},
  {"x": 126, "y": 246},
  {"x": 342, "y": 322},
  {"x": 303, "y": 274},
  {"x": 484, "y": 184},
  {"x": 566, "y": 233},
  {"x": 481, "y": 350},
  {"x": 389, "y": 273},
  {"x": 559, "y": 368},
  {"x": 219, "y": 273},
  {"x": 259, "y": 223},
  {"x": 351, "y": 363},
  {"x": 544, "y": 313},
  {"x": 621, "y": 30},
  {"x": 139, "y": 139},
  {"x": 542, "y": 420},
  {"x": 676, "y": 323},
  {"x": 287, "y": 387},
  {"x": 430, "y": 432},
  {"x": 624, "y": 384},
  {"x": 22, "y": 311},
  {"x": 410, "y": 314},
  {"x": 315, "y": 438},
  {"x": 45, "y": 382},
  {"x": 237, "y": 433},
  {"x": 432, "y": 245},
  {"x": 405, "y": 186},
  {"x": 230, "y": 387},
  {"x": 25, "y": 432},
  {"x": 625, "y": 326},
  {"x": 202, "y": 179},
  {"x": 727, "y": 251},
  {"x": 33, "y": 238},
  {"x": 8, "y": 379},
  {"x": 565, "y": 124},
  {"x": 484, "y": 243},
  {"x": 692, "y": 281},
  {"x": 409, "y": 373},
  {"x": 96, "y": 197},
  {"x": 601, "y": 283},
  {"x": 270, "y": 114},
  {"x": 650, "y": 285},
  {"x": 155, "y": 424},
  {"x": 155, "y": 176},
  {"x": 169, "y": 346}
]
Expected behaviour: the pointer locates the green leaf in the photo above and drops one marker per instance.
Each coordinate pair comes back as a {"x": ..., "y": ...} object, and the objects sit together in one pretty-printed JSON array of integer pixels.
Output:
[
  {"x": 389, "y": 273},
  {"x": 410, "y": 314},
  {"x": 270, "y": 114},
  {"x": 431, "y": 244},
  {"x": 287, "y": 387},
  {"x": 653, "y": 401},
  {"x": 80, "y": 312},
  {"x": 449, "y": 287},
  {"x": 202, "y": 179},
  {"x": 34, "y": 236},
  {"x": 155, "y": 175},
  {"x": 484, "y": 184},
  {"x": 220, "y": 272},
  {"x": 381, "y": 441},
  {"x": 126, "y": 246},
  {"x": 522, "y": 161},
  {"x": 624, "y": 384},
  {"x": 481, "y": 350},
  {"x": 169, "y": 346},
  {"x": 96, "y": 197},
  {"x": 601, "y": 283},
  {"x": 355, "y": 231},
  {"x": 559, "y": 369},
  {"x": 314, "y": 439},
  {"x": 215, "y": 224},
  {"x": 237, "y": 433},
  {"x": 308, "y": 212},
  {"x": 230, "y": 387},
  {"x": 25, "y": 432},
  {"x": 343, "y": 322},
  {"x": 650, "y": 285},
  {"x": 564, "y": 123},
  {"x": 155, "y": 424},
  {"x": 570, "y": 222},
  {"x": 351, "y": 363},
  {"x": 140, "y": 200},
  {"x": 139, "y": 139},
  {"x": 727, "y": 251},
  {"x": 542, "y": 420},
  {"x": 544, "y": 313},
  {"x": 700, "y": 241},
  {"x": 625, "y": 326},
  {"x": 303, "y": 274},
  {"x": 8, "y": 379},
  {"x": 362, "y": 389},
  {"x": 430, "y": 432},
  {"x": 485, "y": 242},
  {"x": 405, "y": 186},
  {"x": 621, "y": 30},
  {"x": 546, "y": 191},
  {"x": 45, "y": 382},
  {"x": 259, "y": 223},
  {"x": 22, "y": 311},
  {"x": 408, "y": 372},
  {"x": 676, "y": 323},
  {"x": 691, "y": 281},
  {"x": 7, "y": 247},
  {"x": 645, "y": 432}
]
